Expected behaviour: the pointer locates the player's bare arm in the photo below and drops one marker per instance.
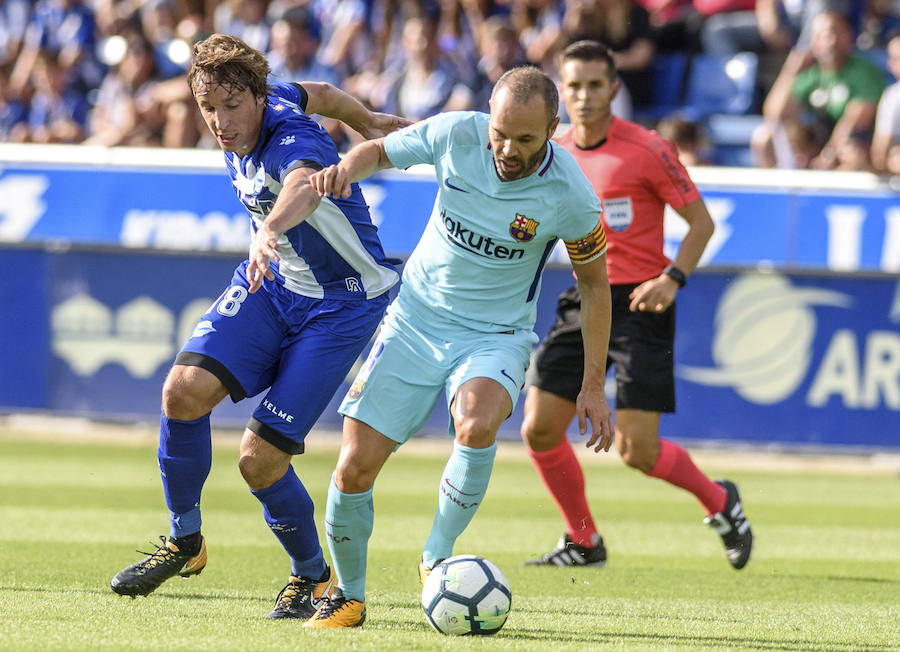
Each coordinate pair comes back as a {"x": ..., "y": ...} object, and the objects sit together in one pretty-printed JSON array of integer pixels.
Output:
[
  {"x": 596, "y": 311},
  {"x": 361, "y": 162},
  {"x": 658, "y": 294},
  {"x": 331, "y": 102},
  {"x": 296, "y": 201}
]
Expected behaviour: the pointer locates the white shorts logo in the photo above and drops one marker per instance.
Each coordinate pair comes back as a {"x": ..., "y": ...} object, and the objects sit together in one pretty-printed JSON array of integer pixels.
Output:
[{"x": 619, "y": 213}]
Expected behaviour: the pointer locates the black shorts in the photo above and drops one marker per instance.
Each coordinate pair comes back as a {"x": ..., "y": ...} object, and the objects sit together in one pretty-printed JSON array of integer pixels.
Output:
[{"x": 640, "y": 347}]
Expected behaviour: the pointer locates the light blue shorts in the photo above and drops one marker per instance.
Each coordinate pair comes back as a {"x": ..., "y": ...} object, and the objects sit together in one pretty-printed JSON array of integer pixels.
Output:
[{"x": 400, "y": 382}]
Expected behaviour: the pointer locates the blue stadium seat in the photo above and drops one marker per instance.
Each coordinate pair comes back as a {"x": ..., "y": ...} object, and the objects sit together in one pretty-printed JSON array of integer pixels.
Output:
[
  {"x": 669, "y": 71},
  {"x": 730, "y": 137},
  {"x": 720, "y": 84}
]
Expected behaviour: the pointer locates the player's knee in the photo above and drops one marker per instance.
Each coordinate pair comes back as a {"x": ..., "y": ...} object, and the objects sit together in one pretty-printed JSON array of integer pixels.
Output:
[
  {"x": 251, "y": 470},
  {"x": 179, "y": 402},
  {"x": 538, "y": 438},
  {"x": 475, "y": 433},
  {"x": 638, "y": 455},
  {"x": 354, "y": 477},
  {"x": 259, "y": 473},
  {"x": 188, "y": 394}
]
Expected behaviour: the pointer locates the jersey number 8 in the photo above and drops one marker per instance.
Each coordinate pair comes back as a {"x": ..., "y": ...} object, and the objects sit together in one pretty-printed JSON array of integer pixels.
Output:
[{"x": 231, "y": 301}]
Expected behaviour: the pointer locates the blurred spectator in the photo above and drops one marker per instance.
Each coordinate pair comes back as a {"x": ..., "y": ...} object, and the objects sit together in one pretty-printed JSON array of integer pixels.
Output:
[
  {"x": 730, "y": 26},
  {"x": 58, "y": 111},
  {"x": 346, "y": 45},
  {"x": 880, "y": 20},
  {"x": 13, "y": 22},
  {"x": 386, "y": 23},
  {"x": 539, "y": 26},
  {"x": 826, "y": 86},
  {"x": 624, "y": 27},
  {"x": 499, "y": 50},
  {"x": 246, "y": 19},
  {"x": 887, "y": 117},
  {"x": 456, "y": 40},
  {"x": 295, "y": 42},
  {"x": 800, "y": 144},
  {"x": 427, "y": 82},
  {"x": 853, "y": 153},
  {"x": 689, "y": 138},
  {"x": 159, "y": 23},
  {"x": 127, "y": 111},
  {"x": 784, "y": 24},
  {"x": 112, "y": 16},
  {"x": 675, "y": 25},
  {"x": 892, "y": 163},
  {"x": 476, "y": 12},
  {"x": 67, "y": 29},
  {"x": 13, "y": 113}
]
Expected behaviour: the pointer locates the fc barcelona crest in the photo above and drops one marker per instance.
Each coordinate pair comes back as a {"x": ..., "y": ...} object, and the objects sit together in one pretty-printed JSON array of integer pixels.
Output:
[{"x": 523, "y": 228}]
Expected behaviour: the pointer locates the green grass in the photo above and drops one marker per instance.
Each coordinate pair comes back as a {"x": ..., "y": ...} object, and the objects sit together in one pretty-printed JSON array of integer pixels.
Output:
[{"x": 825, "y": 573}]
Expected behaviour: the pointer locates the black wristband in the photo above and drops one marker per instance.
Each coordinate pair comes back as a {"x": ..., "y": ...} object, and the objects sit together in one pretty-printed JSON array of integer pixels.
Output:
[{"x": 676, "y": 275}]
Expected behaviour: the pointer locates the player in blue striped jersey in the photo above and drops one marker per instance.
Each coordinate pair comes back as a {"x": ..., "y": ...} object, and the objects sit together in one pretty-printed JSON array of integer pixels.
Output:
[
  {"x": 296, "y": 315},
  {"x": 463, "y": 320}
]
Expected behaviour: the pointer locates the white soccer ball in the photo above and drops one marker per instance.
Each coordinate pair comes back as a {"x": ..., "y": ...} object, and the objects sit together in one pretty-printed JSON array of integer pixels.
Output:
[{"x": 466, "y": 594}]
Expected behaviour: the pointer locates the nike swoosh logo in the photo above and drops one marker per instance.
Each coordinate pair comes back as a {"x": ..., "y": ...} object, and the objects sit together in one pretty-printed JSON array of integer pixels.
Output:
[
  {"x": 503, "y": 371},
  {"x": 452, "y": 187}
]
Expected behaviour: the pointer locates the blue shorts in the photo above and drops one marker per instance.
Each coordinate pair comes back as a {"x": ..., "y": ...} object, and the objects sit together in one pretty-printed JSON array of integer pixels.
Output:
[
  {"x": 298, "y": 347},
  {"x": 397, "y": 387}
]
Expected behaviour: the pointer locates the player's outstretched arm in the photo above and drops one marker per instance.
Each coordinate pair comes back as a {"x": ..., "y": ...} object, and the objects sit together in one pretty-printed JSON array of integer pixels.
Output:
[
  {"x": 361, "y": 162},
  {"x": 596, "y": 314},
  {"x": 332, "y": 102},
  {"x": 296, "y": 201}
]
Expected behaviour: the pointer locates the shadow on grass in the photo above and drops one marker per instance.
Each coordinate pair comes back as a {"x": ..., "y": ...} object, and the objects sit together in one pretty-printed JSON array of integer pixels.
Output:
[
  {"x": 875, "y": 580},
  {"x": 801, "y": 645},
  {"x": 155, "y": 595},
  {"x": 398, "y": 622}
]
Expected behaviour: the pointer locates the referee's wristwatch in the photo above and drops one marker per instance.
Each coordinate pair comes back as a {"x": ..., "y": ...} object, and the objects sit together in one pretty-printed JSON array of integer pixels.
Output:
[{"x": 676, "y": 275}]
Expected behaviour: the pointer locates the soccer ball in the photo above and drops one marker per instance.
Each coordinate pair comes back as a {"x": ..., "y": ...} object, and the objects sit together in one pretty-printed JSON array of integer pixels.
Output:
[{"x": 466, "y": 594}]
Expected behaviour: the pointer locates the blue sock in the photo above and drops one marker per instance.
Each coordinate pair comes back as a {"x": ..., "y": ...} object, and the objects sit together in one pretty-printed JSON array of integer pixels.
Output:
[
  {"x": 185, "y": 457},
  {"x": 463, "y": 485},
  {"x": 288, "y": 510},
  {"x": 348, "y": 522}
]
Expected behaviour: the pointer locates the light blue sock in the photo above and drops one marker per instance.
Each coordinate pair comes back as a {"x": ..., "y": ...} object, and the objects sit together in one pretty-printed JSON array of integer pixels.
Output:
[
  {"x": 463, "y": 485},
  {"x": 348, "y": 523},
  {"x": 288, "y": 510}
]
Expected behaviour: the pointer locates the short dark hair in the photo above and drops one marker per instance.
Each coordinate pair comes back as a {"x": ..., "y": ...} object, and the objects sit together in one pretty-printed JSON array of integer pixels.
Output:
[
  {"x": 524, "y": 82},
  {"x": 590, "y": 50},
  {"x": 224, "y": 60}
]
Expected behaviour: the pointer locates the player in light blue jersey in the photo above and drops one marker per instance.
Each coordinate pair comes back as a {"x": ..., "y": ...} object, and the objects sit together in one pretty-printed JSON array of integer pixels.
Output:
[
  {"x": 463, "y": 319},
  {"x": 294, "y": 318}
]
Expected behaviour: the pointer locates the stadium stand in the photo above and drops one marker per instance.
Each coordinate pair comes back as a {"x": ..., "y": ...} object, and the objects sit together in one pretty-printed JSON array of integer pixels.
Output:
[{"x": 723, "y": 92}]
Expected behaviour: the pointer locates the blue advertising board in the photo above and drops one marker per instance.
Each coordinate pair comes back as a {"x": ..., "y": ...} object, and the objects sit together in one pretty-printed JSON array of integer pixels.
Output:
[
  {"x": 792, "y": 358},
  {"x": 804, "y": 359},
  {"x": 178, "y": 200}
]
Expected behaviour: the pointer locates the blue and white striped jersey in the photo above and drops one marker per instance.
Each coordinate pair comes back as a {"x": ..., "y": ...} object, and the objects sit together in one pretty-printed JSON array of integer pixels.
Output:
[{"x": 335, "y": 252}]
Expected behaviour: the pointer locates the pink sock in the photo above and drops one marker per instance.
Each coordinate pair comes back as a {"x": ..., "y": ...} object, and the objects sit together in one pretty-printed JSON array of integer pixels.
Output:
[
  {"x": 561, "y": 473},
  {"x": 675, "y": 466}
]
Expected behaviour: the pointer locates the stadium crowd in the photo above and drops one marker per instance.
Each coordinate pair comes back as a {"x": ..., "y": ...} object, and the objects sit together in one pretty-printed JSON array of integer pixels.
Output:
[{"x": 111, "y": 72}]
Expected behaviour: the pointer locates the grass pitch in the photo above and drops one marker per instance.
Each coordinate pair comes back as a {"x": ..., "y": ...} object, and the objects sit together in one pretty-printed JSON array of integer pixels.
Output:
[{"x": 825, "y": 574}]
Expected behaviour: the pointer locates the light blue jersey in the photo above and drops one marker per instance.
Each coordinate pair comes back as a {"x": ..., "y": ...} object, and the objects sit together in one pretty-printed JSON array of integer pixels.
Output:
[{"x": 479, "y": 262}]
